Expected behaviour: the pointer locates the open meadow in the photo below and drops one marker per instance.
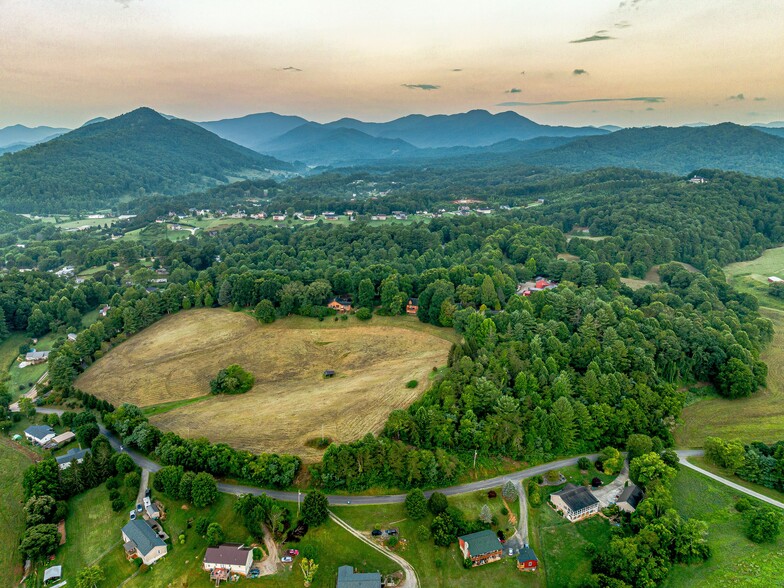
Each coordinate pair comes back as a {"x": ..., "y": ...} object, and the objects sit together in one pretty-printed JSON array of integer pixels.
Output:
[
  {"x": 174, "y": 360},
  {"x": 12, "y": 517},
  {"x": 757, "y": 418}
]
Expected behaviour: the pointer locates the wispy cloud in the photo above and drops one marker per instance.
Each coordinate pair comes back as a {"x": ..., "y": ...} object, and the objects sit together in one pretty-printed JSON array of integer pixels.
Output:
[
  {"x": 631, "y": 3},
  {"x": 622, "y": 24},
  {"x": 760, "y": 99},
  {"x": 647, "y": 99},
  {"x": 513, "y": 91},
  {"x": 736, "y": 98},
  {"x": 580, "y": 72},
  {"x": 458, "y": 69},
  {"x": 124, "y": 3},
  {"x": 597, "y": 36},
  {"x": 421, "y": 86}
]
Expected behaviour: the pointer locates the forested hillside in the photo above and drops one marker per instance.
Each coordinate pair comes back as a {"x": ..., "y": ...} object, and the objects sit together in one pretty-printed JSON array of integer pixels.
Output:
[{"x": 132, "y": 155}]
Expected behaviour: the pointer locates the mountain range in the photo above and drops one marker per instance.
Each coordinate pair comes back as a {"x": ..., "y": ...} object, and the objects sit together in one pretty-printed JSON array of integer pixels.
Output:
[{"x": 136, "y": 153}]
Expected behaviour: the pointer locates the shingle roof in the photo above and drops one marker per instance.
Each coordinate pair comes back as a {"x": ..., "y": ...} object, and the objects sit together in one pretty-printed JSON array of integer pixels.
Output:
[
  {"x": 632, "y": 495},
  {"x": 39, "y": 431},
  {"x": 482, "y": 542},
  {"x": 229, "y": 554},
  {"x": 576, "y": 497},
  {"x": 143, "y": 536},
  {"x": 348, "y": 579},
  {"x": 526, "y": 554},
  {"x": 71, "y": 455}
]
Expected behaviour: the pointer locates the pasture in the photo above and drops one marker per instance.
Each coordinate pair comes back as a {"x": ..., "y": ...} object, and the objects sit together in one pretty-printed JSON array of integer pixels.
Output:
[
  {"x": 12, "y": 517},
  {"x": 757, "y": 418},
  {"x": 291, "y": 402}
]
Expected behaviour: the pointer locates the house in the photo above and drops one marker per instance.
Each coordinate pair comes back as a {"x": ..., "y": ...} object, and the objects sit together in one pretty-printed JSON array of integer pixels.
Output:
[
  {"x": 61, "y": 439},
  {"x": 104, "y": 310},
  {"x": 340, "y": 304},
  {"x": 698, "y": 180},
  {"x": 234, "y": 558},
  {"x": 347, "y": 578},
  {"x": 575, "y": 502},
  {"x": 630, "y": 498},
  {"x": 71, "y": 337},
  {"x": 278, "y": 217},
  {"x": 774, "y": 279},
  {"x": 151, "y": 509},
  {"x": 72, "y": 455},
  {"x": 537, "y": 285},
  {"x": 527, "y": 560},
  {"x": 412, "y": 306},
  {"x": 35, "y": 357},
  {"x": 141, "y": 541},
  {"x": 39, "y": 434},
  {"x": 481, "y": 547}
]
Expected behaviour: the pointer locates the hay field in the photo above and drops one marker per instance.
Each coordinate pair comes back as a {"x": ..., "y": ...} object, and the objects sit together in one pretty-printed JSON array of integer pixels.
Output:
[{"x": 291, "y": 401}]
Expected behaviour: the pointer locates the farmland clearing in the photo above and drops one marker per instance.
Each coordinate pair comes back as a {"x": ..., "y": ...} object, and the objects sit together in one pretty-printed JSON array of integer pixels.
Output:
[{"x": 291, "y": 402}]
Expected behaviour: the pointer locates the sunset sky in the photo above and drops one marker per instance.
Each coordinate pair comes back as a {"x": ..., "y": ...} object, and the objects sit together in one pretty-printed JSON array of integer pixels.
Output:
[{"x": 632, "y": 63}]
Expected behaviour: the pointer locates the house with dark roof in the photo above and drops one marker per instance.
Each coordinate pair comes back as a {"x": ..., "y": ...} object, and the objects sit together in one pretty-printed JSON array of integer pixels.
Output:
[
  {"x": 340, "y": 304},
  {"x": 72, "y": 455},
  {"x": 348, "y": 578},
  {"x": 630, "y": 498},
  {"x": 481, "y": 547},
  {"x": 412, "y": 306},
  {"x": 141, "y": 541},
  {"x": 232, "y": 557},
  {"x": 575, "y": 502},
  {"x": 39, "y": 434},
  {"x": 34, "y": 357},
  {"x": 527, "y": 560}
]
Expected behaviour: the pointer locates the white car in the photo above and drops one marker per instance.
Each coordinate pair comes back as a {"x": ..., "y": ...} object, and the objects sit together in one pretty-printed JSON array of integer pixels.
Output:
[{"x": 133, "y": 515}]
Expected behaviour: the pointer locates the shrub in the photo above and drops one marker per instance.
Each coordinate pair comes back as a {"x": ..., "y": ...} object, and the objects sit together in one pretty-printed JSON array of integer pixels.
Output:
[
  {"x": 258, "y": 554},
  {"x": 113, "y": 495},
  {"x": 392, "y": 541},
  {"x": 763, "y": 524},
  {"x": 232, "y": 380},
  {"x": 201, "y": 525},
  {"x": 437, "y": 503},
  {"x": 416, "y": 505},
  {"x": 552, "y": 476},
  {"x": 112, "y": 483},
  {"x": 584, "y": 463},
  {"x": 504, "y": 511},
  {"x": 364, "y": 314},
  {"x": 310, "y": 551},
  {"x": 492, "y": 494},
  {"x": 133, "y": 479},
  {"x": 215, "y": 535},
  {"x": 743, "y": 504},
  {"x": 118, "y": 504},
  {"x": 423, "y": 533},
  {"x": 412, "y": 384}
]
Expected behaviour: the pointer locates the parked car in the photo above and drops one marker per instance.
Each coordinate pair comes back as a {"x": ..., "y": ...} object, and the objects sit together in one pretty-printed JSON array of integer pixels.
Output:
[
  {"x": 147, "y": 493},
  {"x": 138, "y": 507},
  {"x": 376, "y": 532},
  {"x": 286, "y": 559},
  {"x": 391, "y": 531},
  {"x": 293, "y": 552},
  {"x": 511, "y": 552},
  {"x": 254, "y": 573},
  {"x": 133, "y": 515}
]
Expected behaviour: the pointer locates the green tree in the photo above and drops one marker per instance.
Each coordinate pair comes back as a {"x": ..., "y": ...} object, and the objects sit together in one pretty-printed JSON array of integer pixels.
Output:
[
  {"x": 416, "y": 504},
  {"x": 437, "y": 503},
  {"x": 638, "y": 445},
  {"x": 39, "y": 542},
  {"x": 309, "y": 569},
  {"x": 265, "y": 312},
  {"x": 366, "y": 295},
  {"x": 509, "y": 491},
  {"x": 214, "y": 534},
  {"x": 232, "y": 380},
  {"x": 315, "y": 508},
  {"x": 736, "y": 380},
  {"x": 612, "y": 460},
  {"x": 42, "y": 478},
  {"x": 204, "y": 490},
  {"x": 40, "y": 510},
  {"x": 485, "y": 515},
  {"x": 202, "y": 523},
  {"x": 443, "y": 530},
  {"x": 89, "y": 577},
  {"x": 649, "y": 468},
  {"x": 763, "y": 524}
]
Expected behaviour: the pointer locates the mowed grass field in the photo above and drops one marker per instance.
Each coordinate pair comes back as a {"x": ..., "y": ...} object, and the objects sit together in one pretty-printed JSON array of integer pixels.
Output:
[
  {"x": 12, "y": 517},
  {"x": 757, "y": 418},
  {"x": 752, "y": 276},
  {"x": 291, "y": 402}
]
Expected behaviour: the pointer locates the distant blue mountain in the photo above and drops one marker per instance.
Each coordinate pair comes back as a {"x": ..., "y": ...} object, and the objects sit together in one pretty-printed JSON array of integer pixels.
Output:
[{"x": 22, "y": 135}]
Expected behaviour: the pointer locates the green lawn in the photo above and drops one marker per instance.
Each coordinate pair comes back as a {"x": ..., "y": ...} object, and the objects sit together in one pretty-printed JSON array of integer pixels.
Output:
[
  {"x": 12, "y": 520},
  {"x": 700, "y": 461},
  {"x": 9, "y": 349},
  {"x": 736, "y": 561}
]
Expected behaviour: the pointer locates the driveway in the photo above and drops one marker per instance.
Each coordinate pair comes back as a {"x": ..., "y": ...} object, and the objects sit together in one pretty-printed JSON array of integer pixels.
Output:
[
  {"x": 269, "y": 565},
  {"x": 608, "y": 494}
]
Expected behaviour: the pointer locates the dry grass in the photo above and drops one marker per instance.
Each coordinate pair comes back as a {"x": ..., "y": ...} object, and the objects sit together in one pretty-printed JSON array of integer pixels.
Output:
[
  {"x": 757, "y": 418},
  {"x": 291, "y": 401}
]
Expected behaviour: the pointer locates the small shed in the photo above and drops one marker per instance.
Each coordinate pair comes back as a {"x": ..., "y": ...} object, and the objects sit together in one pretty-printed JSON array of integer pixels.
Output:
[
  {"x": 527, "y": 560},
  {"x": 53, "y": 574},
  {"x": 329, "y": 373}
]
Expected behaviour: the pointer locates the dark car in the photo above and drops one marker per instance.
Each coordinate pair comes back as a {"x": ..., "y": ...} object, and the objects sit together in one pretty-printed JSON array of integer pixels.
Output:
[
  {"x": 138, "y": 507},
  {"x": 391, "y": 531},
  {"x": 376, "y": 533},
  {"x": 147, "y": 493}
]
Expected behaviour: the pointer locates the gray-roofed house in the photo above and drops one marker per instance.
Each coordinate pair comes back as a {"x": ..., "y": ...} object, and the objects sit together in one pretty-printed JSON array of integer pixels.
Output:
[
  {"x": 630, "y": 498},
  {"x": 34, "y": 357},
  {"x": 232, "y": 557},
  {"x": 347, "y": 578},
  {"x": 575, "y": 502},
  {"x": 72, "y": 455},
  {"x": 141, "y": 541},
  {"x": 39, "y": 434},
  {"x": 481, "y": 547}
]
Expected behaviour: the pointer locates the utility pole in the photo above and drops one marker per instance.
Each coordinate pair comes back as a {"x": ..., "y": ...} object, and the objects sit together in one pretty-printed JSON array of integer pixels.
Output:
[
  {"x": 299, "y": 492},
  {"x": 475, "y": 453}
]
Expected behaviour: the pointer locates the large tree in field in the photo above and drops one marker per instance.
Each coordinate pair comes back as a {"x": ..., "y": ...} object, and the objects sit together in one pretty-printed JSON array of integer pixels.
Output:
[
  {"x": 416, "y": 504},
  {"x": 649, "y": 468},
  {"x": 204, "y": 490},
  {"x": 39, "y": 542}
]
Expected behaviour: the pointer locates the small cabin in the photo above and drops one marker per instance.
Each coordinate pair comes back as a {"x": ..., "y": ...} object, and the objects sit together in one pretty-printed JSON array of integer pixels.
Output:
[
  {"x": 412, "y": 306},
  {"x": 342, "y": 305}
]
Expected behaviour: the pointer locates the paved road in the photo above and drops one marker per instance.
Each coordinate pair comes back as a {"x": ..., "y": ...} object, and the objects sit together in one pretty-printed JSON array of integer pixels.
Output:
[
  {"x": 411, "y": 579},
  {"x": 727, "y": 482}
]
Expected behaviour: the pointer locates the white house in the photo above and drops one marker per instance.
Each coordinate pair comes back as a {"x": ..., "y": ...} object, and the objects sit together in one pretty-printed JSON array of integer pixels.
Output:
[
  {"x": 575, "y": 502},
  {"x": 141, "y": 541},
  {"x": 237, "y": 559},
  {"x": 39, "y": 434}
]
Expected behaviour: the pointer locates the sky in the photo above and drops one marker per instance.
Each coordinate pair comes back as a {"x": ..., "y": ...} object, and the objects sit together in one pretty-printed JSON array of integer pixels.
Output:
[{"x": 573, "y": 62}]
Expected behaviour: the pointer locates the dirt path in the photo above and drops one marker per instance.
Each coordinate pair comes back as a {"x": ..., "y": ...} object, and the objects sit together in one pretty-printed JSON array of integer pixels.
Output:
[
  {"x": 269, "y": 565},
  {"x": 32, "y": 394},
  {"x": 522, "y": 525},
  {"x": 411, "y": 579}
]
